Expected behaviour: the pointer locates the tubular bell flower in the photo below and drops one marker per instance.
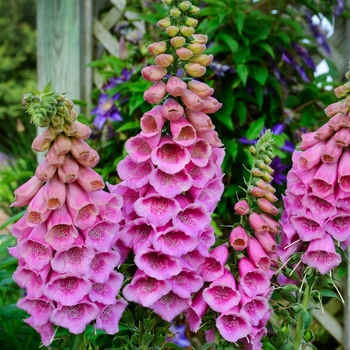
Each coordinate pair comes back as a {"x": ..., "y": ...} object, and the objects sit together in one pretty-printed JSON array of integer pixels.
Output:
[
  {"x": 319, "y": 182},
  {"x": 172, "y": 178},
  {"x": 65, "y": 249}
]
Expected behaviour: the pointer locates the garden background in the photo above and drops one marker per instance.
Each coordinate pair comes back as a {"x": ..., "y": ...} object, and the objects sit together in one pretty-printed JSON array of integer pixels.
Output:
[{"x": 266, "y": 53}]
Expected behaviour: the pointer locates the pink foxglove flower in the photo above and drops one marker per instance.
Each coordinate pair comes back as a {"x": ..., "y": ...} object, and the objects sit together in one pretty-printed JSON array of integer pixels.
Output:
[
  {"x": 65, "y": 250},
  {"x": 172, "y": 180},
  {"x": 317, "y": 201}
]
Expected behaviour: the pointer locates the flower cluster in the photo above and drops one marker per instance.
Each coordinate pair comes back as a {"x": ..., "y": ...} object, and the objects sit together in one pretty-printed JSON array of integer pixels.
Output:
[
  {"x": 172, "y": 177},
  {"x": 66, "y": 236},
  {"x": 242, "y": 303},
  {"x": 317, "y": 201}
]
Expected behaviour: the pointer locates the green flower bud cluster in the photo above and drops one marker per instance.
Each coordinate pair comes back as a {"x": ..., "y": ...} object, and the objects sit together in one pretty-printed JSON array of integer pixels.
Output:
[
  {"x": 260, "y": 190},
  {"x": 46, "y": 107},
  {"x": 184, "y": 46}
]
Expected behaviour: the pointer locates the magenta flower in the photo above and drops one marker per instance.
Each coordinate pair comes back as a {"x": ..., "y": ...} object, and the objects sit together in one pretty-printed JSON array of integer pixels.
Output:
[
  {"x": 321, "y": 255},
  {"x": 75, "y": 318},
  {"x": 233, "y": 326}
]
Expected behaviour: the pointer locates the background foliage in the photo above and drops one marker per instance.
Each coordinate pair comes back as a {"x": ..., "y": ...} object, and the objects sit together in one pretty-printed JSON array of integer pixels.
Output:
[{"x": 262, "y": 73}]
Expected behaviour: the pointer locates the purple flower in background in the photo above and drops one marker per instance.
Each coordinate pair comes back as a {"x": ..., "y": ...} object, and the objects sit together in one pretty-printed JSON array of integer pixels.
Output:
[
  {"x": 279, "y": 168},
  {"x": 105, "y": 110},
  {"x": 317, "y": 33},
  {"x": 304, "y": 55},
  {"x": 288, "y": 58},
  {"x": 221, "y": 69},
  {"x": 339, "y": 8},
  {"x": 124, "y": 76},
  {"x": 179, "y": 338}
]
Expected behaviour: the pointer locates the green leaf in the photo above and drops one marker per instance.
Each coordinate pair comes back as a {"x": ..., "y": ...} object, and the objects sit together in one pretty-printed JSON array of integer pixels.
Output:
[
  {"x": 12, "y": 219},
  {"x": 229, "y": 41},
  {"x": 241, "y": 110},
  {"x": 255, "y": 128},
  {"x": 209, "y": 346},
  {"x": 241, "y": 55},
  {"x": 232, "y": 148},
  {"x": 224, "y": 113},
  {"x": 240, "y": 17},
  {"x": 147, "y": 338},
  {"x": 129, "y": 126},
  {"x": 47, "y": 88},
  {"x": 267, "y": 48},
  {"x": 135, "y": 102},
  {"x": 307, "y": 319},
  {"x": 262, "y": 33},
  {"x": 284, "y": 37},
  {"x": 242, "y": 72},
  {"x": 328, "y": 294},
  {"x": 77, "y": 342},
  {"x": 260, "y": 74},
  {"x": 259, "y": 93}
]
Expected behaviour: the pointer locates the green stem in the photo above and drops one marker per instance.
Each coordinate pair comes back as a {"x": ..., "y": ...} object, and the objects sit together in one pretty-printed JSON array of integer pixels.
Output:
[
  {"x": 299, "y": 331},
  {"x": 141, "y": 331}
]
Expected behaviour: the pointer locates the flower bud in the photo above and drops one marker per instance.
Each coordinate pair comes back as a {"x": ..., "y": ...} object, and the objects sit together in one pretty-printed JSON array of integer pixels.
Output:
[
  {"x": 199, "y": 38},
  {"x": 267, "y": 177},
  {"x": 199, "y": 120},
  {"x": 184, "y": 5},
  {"x": 71, "y": 116},
  {"x": 69, "y": 171},
  {"x": 203, "y": 60},
  {"x": 169, "y": 2},
  {"x": 172, "y": 30},
  {"x": 177, "y": 41},
  {"x": 210, "y": 136},
  {"x": 154, "y": 73},
  {"x": 342, "y": 91},
  {"x": 274, "y": 227},
  {"x": 195, "y": 69},
  {"x": 201, "y": 89},
  {"x": 80, "y": 149},
  {"x": 175, "y": 86},
  {"x": 39, "y": 144},
  {"x": 191, "y": 22},
  {"x": 257, "y": 192},
  {"x": 266, "y": 159},
  {"x": 196, "y": 48},
  {"x": 257, "y": 172},
  {"x": 239, "y": 238},
  {"x": 175, "y": 12},
  {"x": 257, "y": 223},
  {"x": 45, "y": 171},
  {"x": 62, "y": 144},
  {"x": 53, "y": 159},
  {"x": 194, "y": 10},
  {"x": 260, "y": 163},
  {"x": 186, "y": 31},
  {"x": 270, "y": 196},
  {"x": 267, "y": 206},
  {"x": 164, "y": 60},
  {"x": 155, "y": 93},
  {"x": 192, "y": 100},
  {"x": 212, "y": 105},
  {"x": 172, "y": 110},
  {"x": 25, "y": 193},
  {"x": 184, "y": 54},
  {"x": 242, "y": 208},
  {"x": 332, "y": 109},
  {"x": 164, "y": 23},
  {"x": 157, "y": 48}
]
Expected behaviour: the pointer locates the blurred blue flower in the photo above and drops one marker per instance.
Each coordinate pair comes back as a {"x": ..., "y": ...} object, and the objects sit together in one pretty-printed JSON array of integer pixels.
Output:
[
  {"x": 317, "y": 33},
  {"x": 290, "y": 59},
  {"x": 179, "y": 338},
  {"x": 124, "y": 76},
  {"x": 106, "y": 110},
  {"x": 339, "y": 8},
  {"x": 303, "y": 53},
  {"x": 279, "y": 176}
]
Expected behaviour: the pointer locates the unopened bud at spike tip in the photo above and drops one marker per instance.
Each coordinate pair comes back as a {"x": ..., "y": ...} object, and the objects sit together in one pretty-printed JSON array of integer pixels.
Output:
[
  {"x": 175, "y": 12},
  {"x": 184, "y": 5}
]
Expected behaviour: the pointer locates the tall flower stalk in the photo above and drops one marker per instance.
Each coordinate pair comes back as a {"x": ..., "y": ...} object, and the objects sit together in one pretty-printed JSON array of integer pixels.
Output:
[
  {"x": 67, "y": 236},
  {"x": 317, "y": 213},
  {"x": 172, "y": 178}
]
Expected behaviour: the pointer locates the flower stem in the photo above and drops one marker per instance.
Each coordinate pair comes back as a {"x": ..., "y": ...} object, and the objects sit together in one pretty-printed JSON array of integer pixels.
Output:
[{"x": 299, "y": 331}]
